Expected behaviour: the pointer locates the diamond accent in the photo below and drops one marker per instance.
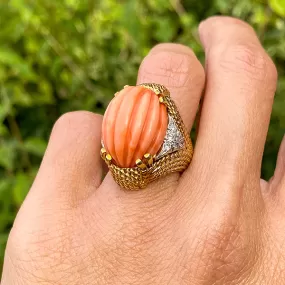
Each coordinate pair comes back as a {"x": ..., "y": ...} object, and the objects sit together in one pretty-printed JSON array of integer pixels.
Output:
[{"x": 173, "y": 140}]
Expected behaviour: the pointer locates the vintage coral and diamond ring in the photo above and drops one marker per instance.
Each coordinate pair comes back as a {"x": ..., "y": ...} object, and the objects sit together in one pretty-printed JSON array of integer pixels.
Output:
[{"x": 143, "y": 136}]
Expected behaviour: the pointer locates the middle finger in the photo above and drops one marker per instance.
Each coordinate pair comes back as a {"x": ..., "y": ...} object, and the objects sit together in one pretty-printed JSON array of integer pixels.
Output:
[{"x": 241, "y": 82}]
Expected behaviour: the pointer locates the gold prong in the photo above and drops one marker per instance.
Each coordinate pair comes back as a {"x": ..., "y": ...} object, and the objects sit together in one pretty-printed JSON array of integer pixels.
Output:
[
  {"x": 103, "y": 152},
  {"x": 147, "y": 155},
  {"x": 149, "y": 159},
  {"x": 108, "y": 158},
  {"x": 140, "y": 164}
]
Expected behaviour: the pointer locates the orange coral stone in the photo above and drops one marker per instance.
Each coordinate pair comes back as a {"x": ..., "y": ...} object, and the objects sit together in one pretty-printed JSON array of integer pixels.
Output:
[{"x": 134, "y": 124}]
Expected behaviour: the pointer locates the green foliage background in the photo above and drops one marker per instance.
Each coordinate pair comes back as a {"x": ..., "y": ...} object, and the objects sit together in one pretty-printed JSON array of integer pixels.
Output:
[{"x": 59, "y": 56}]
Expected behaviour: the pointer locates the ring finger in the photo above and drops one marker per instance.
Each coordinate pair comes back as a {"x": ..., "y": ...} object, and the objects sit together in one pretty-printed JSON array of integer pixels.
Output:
[{"x": 177, "y": 68}]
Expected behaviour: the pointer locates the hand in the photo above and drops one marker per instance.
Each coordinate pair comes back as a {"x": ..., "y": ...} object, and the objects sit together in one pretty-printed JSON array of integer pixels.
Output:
[{"x": 218, "y": 223}]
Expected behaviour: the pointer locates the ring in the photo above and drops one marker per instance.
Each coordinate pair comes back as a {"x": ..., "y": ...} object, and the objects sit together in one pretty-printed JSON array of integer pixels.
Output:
[{"x": 143, "y": 136}]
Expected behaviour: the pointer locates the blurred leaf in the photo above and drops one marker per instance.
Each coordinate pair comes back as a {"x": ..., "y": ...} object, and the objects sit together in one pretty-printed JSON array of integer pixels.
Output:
[
  {"x": 21, "y": 187},
  {"x": 5, "y": 184},
  {"x": 166, "y": 29},
  {"x": 278, "y": 6},
  {"x": 3, "y": 240},
  {"x": 36, "y": 146},
  {"x": 3, "y": 130},
  {"x": 259, "y": 17},
  {"x": 6, "y": 216},
  {"x": 9, "y": 57},
  {"x": 16, "y": 63},
  {"x": 5, "y": 107},
  {"x": 7, "y": 155},
  {"x": 21, "y": 97}
]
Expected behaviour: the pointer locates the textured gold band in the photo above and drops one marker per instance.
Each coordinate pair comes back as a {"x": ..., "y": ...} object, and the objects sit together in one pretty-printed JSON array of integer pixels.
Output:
[{"x": 139, "y": 177}]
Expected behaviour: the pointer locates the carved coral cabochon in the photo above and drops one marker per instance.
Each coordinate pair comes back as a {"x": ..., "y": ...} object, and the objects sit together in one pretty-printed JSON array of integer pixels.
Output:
[{"x": 134, "y": 124}]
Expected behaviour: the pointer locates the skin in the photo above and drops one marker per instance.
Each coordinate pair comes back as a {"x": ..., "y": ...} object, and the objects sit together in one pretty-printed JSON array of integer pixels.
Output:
[{"x": 218, "y": 223}]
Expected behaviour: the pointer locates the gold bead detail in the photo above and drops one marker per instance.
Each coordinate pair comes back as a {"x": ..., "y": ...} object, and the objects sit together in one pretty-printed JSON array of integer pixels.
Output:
[
  {"x": 148, "y": 159},
  {"x": 140, "y": 164},
  {"x": 103, "y": 152},
  {"x": 108, "y": 158}
]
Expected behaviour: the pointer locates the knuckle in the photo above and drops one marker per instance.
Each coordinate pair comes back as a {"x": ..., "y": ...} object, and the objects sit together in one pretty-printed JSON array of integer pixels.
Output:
[
  {"x": 74, "y": 139},
  {"x": 244, "y": 58},
  {"x": 218, "y": 25},
  {"x": 226, "y": 21},
  {"x": 41, "y": 251},
  {"x": 172, "y": 47},
  {"x": 248, "y": 59},
  {"x": 63, "y": 122},
  {"x": 179, "y": 70},
  {"x": 77, "y": 125},
  {"x": 224, "y": 245},
  {"x": 74, "y": 119}
]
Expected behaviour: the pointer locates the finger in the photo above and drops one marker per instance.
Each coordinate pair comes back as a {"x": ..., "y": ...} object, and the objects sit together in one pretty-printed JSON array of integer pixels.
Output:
[
  {"x": 177, "y": 68},
  {"x": 241, "y": 82},
  {"x": 71, "y": 168}
]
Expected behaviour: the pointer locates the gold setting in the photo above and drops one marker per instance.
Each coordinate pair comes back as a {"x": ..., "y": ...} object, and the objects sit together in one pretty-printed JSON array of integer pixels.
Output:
[
  {"x": 108, "y": 158},
  {"x": 103, "y": 153},
  {"x": 148, "y": 168},
  {"x": 148, "y": 159},
  {"x": 140, "y": 164},
  {"x": 161, "y": 99}
]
